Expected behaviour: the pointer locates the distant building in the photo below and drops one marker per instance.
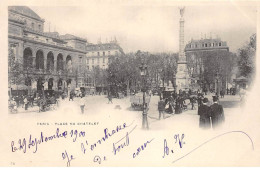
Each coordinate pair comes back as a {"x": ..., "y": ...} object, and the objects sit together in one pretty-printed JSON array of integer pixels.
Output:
[
  {"x": 206, "y": 45},
  {"x": 98, "y": 55},
  {"x": 196, "y": 51}
]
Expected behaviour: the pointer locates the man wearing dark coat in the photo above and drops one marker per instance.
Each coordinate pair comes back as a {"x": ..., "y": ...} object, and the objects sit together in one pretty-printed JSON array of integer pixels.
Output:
[
  {"x": 161, "y": 108},
  {"x": 204, "y": 113},
  {"x": 217, "y": 113}
]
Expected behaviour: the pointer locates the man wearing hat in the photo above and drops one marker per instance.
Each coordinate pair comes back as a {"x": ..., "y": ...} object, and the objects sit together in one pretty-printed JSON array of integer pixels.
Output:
[
  {"x": 217, "y": 113},
  {"x": 204, "y": 112}
]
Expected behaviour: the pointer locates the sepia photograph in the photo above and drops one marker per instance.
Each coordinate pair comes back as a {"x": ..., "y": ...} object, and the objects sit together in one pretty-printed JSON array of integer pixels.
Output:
[{"x": 129, "y": 84}]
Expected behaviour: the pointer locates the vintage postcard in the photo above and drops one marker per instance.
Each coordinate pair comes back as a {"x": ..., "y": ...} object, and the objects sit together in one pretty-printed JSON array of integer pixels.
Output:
[{"x": 129, "y": 83}]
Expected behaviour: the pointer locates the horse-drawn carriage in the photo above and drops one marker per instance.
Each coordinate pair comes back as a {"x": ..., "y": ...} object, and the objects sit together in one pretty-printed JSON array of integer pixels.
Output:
[
  {"x": 46, "y": 104},
  {"x": 137, "y": 101}
]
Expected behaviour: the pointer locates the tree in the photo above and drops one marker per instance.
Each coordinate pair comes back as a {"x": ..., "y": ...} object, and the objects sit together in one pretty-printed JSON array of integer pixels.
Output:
[
  {"x": 206, "y": 65},
  {"x": 246, "y": 60},
  {"x": 15, "y": 69}
]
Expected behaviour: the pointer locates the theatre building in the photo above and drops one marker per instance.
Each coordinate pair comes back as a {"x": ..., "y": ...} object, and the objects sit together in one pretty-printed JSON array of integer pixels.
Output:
[{"x": 49, "y": 61}]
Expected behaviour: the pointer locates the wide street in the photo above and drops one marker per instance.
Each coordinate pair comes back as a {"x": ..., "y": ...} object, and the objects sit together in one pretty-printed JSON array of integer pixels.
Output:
[{"x": 98, "y": 109}]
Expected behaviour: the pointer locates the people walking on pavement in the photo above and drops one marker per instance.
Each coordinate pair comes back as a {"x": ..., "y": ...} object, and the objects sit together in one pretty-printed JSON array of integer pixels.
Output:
[
  {"x": 161, "y": 108},
  {"x": 178, "y": 106},
  {"x": 217, "y": 113},
  {"x": 71, "y": 96},
  {"x": 192, "y": 101},
  {"x": 13, "y": 106},
  {"x": 82, "y": 104},
  {"x": 222, "y": 93},
  {"x": 109, "y": 98},
  {"x": 26, "y": 102},
  {"x": 204, "y": 113}
]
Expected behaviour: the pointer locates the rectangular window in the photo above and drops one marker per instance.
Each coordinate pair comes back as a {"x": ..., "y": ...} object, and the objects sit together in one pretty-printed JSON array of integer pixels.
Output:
[
  {"x": 98, "y": 53},
  {"x": 108, "y": 52},
  {"x": 92, "y": 67},
  {"x": 104, "y": 53},
  {"x": 80, "y": 59},
  {"x": 98, "y": 60},
  {"x": 202, "y": 45},
  {"x": 87, "y": 61},
  {"x": 87, "y": 67},
  {"x": 92, "y": 60},
  {"x": 103, "y": 60},
  {"x": 219, "y": 44}
]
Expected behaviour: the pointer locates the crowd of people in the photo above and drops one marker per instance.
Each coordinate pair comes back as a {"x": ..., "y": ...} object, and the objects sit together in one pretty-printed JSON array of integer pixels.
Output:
[
  {"x": 40, "y": 100},
  {"x": 210, "y": 115}
]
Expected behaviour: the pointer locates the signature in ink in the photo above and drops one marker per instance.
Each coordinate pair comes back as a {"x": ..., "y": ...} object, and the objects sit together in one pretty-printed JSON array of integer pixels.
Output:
[
  {"x": 98, "y": 159},
  {"x": 141, "y": 148},
  {"x": 117, "y": 147},
  {"x": 108, "y": 134},
  {"x": 178, "y": 140},
  {"x": 68, "y": 157}
]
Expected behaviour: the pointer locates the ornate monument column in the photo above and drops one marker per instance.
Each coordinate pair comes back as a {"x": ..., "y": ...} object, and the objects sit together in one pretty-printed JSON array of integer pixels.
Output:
[{"x": 182, "y": 77}]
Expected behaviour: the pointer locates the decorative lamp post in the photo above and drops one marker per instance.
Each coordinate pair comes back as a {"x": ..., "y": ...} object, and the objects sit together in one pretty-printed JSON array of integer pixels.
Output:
[{"x": 143, "y": 72}]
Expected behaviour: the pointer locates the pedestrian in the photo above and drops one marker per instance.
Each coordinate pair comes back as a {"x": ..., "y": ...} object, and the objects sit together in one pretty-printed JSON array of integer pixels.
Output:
[
  {"x": 178, "y": 106},
  {"x": 71, "y": 96},
  {"x": 192, "y": 101},
  {"x": 217, "y": 113},
  {"x": 25, "y": 103},
  {"x": 22, "y": 101},
  {"x": 82, "y": 104},
  {"x": 161, "y": 108},
  {"x": 227, "y": 91},
  {"x": 199, "y": 99},
  {"x": 109, "y": 98},
  {"x": 204, "y": 113},
  {"x": 222, "y": 93},
  {"x": 13, "y": 106}
]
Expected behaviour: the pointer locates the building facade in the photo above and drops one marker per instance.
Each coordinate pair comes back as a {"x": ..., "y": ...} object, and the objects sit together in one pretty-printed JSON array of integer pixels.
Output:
[
  {"x": 98, "y": 55},
  {"x": 197, "y": 51},
  {"x": 206, "y": 45},
  {"x": 50, "y": 61}
]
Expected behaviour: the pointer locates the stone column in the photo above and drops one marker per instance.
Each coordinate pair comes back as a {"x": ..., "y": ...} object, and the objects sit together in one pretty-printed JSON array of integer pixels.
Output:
[
  {"x": 55, "y": 66},
  {"x": 34, "y": 61},
  {"x": 45, "y": 61}
]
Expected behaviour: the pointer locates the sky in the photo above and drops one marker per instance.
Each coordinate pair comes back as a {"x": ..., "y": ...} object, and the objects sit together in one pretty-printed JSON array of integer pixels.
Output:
[{"x": 153, "y": 28}]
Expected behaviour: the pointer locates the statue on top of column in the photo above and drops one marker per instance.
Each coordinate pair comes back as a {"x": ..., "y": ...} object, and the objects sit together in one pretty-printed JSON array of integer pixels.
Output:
[{"x": 182, "y": 11}]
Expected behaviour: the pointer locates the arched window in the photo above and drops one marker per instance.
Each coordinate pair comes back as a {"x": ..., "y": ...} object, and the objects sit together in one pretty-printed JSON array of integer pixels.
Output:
[
  {"x": 27, "y": 58},
  {"x": 39, "y": 60},
  {"x": 69, "y": 63},
  {"x": 60, "y": 62},
  {"x": 50, "y": 61}
]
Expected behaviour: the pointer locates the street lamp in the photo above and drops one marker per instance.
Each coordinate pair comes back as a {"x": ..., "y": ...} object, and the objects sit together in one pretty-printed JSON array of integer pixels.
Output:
[{"x": 143, "y": 72}]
